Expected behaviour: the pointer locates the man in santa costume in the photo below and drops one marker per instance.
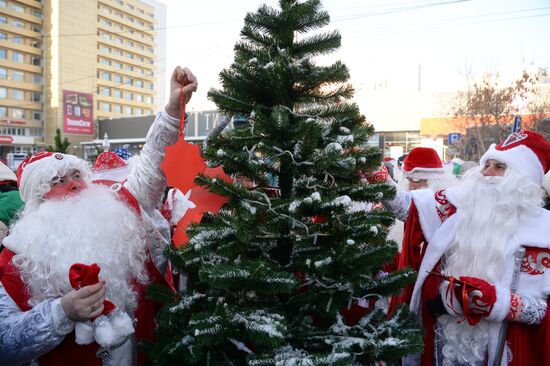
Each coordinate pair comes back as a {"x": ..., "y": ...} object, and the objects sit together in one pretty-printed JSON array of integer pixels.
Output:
[
  {"x": 422, "y": 175},
  {"x": 77, "y": 262},
  {"x": 484, "y": 277}
]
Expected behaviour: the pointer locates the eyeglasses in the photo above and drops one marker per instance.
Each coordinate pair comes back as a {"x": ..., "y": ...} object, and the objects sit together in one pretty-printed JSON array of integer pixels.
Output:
[{"x": 414, "y": 180}]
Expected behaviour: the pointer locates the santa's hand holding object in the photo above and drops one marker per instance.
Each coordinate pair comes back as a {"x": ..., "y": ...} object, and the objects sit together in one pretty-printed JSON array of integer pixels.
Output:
[{"x": 109, "y": 329}]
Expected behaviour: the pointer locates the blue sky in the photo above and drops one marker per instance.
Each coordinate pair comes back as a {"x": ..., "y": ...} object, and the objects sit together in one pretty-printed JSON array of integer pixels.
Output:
[{"x": 383, "y": 42}]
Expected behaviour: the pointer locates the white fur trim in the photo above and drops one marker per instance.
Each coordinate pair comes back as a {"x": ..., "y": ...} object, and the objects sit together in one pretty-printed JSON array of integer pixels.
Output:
[
  {"x": 425, "y": 203},
  {"x": 6, "y": 173},
  {"x": 520, "y": 158},
  {"x": 546, "y": 183},
  {"x": 112, "y": 330},
  {"x": 425, "y": 173},
  {"x": 502, "y": 304},
  {"x": 117, "y": 174},
  {"x": 84, "y": 332}
]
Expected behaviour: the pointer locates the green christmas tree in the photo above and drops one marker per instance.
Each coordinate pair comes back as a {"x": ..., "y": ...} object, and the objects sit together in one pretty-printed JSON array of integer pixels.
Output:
[{"x": 269, "y": 276}]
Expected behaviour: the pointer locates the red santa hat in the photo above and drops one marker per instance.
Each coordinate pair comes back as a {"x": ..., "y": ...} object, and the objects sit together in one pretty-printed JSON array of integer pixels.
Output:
[
  {"x": 35, "y": 174},
  {"x": 110, "y": 166},
  {"x": 423, "y": 163},
  {"x": 526, "y": 152}
]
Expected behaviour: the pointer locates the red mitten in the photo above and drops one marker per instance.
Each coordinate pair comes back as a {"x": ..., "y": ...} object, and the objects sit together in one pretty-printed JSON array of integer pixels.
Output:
[
  {"x": 112, "y": 326},
  {"x": 477, "y": 297},
  {"x": 380, "y": 175}
]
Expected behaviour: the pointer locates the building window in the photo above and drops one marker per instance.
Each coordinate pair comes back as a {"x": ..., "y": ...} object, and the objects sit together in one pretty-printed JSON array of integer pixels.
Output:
[
  {"x": 106, "y": 49},
  {"x": 106, "y": 62},
  {"x": 129, "y": 96},
  {"x": 18, "y": 24},
  {"x": 3, "y": 73},
  {"x": 118, "y": 40},
  {"x": 138, "y": 111},
  {"x": 106, "y": 92},
  {"x": 117, "y": 108},
  {"x": 3, "y": 111},
  {"x": 3, "y": 54},
  {"x": 118, "y": 14},
  {"x": 106, "y": 76},
  {"x": 17, "y": 75},
  {"x": 139, "y": 98},
  {"x": 18, "y": 8},
  {"x": 37, "y": 116},
  {"x": 18, "y": 40},
  {"x": 36, "y": 61},
  {"x": 105, "y": 107},
  {"x": 36, "y": 97},
  {"x": 17, "y": 94},
  {"x": 117, "y": 65},
  {"x": 3, "y": 36},
  {"x": 3, "y": 93},
  {"x": 117, "y": 52},
  {"x": 128, "y": 111},
  {"x": 117, "y": 94},
  {"x": 139, "y": 83},
  {"x": 128, "y": 67},
  {"x": 107, "y": 36},
  {"x": 117, "y": 79},
  {"x": 3, "y": 20},
  {"x": 149, "y": 100},
  {"x": 130, "y": 56},
  {"x": 37, "y": 78},
  {"x": 36, "y": 13},
  {"x": 17, "y": 113},
  {"x": 3, "y": 3}
]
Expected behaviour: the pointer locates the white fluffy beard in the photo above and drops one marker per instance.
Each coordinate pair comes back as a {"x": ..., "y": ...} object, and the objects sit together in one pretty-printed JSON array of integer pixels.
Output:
[
  {"x": 491, "y": 211},
  {"x": 92, "y": 227}
]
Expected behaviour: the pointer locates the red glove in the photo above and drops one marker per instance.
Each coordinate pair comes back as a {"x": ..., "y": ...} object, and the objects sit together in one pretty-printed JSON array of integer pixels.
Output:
[
  {"x": 379, "y": 175},
  {"x": 81, "y": 275},
  {"x": 476, "y": 296}
]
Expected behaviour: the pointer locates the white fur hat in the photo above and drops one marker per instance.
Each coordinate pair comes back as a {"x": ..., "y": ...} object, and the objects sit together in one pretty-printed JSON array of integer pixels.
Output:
[
  {"x": 35, "y": 173},
  {"x": 6, "y": 173}
]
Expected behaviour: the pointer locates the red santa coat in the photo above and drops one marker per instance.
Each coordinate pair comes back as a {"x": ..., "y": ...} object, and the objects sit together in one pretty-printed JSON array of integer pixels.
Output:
[
  {"x": 68, "y": 352},
  {"x": 526, "y": 344},
  {"x": 426, "y": 213}
]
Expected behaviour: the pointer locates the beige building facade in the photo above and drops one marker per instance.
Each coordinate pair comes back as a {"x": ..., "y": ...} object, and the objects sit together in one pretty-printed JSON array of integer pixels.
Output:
[{"x": 64, "y": 64}]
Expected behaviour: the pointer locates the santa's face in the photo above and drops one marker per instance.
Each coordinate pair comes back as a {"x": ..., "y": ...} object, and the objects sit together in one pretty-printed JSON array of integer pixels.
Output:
[
  {"x": 66, "y": 186},
  {"x": 493, "y": 168}
]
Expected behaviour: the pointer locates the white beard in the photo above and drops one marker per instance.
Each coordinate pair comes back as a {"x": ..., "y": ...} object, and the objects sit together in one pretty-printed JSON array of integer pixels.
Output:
[
  {"x": 92, "y": 227},
  {"x": 491, "y": 211}
]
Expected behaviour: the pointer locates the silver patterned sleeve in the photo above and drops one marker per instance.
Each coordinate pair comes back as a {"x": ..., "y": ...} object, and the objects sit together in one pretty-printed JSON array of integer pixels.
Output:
[
  {"x": 146, "y": 181},
  {"x": 526, "y": 309},
  {"x": 400, "y": 204},
  {"x": 25, "y": 336}
]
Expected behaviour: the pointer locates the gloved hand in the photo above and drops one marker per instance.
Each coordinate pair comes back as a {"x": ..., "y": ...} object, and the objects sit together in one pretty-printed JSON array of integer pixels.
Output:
[
  {"x": 476, "y": 296},
  {"x": 378, "y": 175}
]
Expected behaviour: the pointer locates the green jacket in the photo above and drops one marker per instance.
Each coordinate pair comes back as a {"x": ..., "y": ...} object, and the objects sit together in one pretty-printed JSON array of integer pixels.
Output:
[{"x": 10, "y": 204}]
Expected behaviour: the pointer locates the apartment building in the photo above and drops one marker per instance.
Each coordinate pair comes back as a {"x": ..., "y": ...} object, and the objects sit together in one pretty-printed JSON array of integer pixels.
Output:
[{"x": 67, "y": 63}]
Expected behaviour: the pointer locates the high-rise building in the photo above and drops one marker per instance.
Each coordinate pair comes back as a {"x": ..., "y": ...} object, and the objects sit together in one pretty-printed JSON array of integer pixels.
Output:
[{"x": 67, "y": 63}]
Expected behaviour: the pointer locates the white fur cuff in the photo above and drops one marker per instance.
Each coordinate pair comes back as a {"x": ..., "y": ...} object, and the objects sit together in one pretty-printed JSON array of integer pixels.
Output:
[
  {"x": 112, "y": 330},
  {"x": 84, "y": 332},
  {"x": 502, "y": 304}
]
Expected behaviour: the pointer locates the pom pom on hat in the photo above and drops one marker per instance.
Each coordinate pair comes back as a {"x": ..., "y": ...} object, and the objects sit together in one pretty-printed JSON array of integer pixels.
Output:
[
  {"x": 526, "y": 152},
  {"x": 423, "y": 163}
]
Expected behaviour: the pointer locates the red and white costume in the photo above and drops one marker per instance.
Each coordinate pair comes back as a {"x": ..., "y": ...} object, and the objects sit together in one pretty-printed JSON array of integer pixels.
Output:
[
  {"x": 39, "y": 332},
  {"x": 438, "y": 222}
]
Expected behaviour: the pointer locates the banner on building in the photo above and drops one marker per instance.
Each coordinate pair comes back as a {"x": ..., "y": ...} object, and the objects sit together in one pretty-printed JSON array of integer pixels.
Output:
[{"x": 78, "y": 113}]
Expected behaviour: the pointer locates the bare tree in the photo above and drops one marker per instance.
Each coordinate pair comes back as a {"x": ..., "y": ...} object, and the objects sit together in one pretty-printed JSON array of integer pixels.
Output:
[{"x": 486, "y": 107}]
